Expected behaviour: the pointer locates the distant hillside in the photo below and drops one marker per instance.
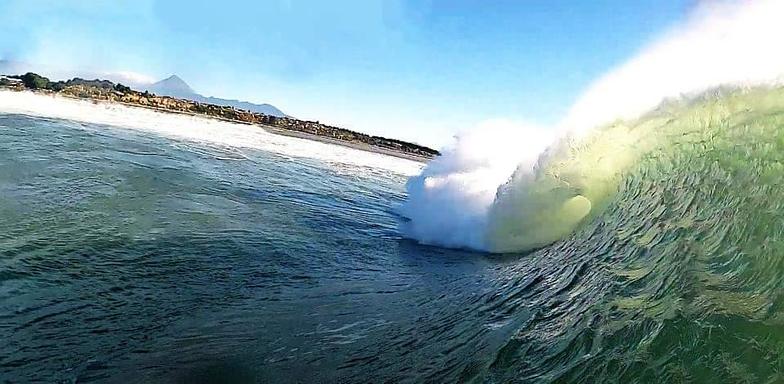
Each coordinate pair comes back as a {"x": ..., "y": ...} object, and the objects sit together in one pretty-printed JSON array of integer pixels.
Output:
[{"x": 174, "y": 86}]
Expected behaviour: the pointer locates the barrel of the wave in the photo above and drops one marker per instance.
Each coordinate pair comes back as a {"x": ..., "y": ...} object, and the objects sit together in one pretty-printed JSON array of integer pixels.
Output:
[{"x": 572, "y": 183}]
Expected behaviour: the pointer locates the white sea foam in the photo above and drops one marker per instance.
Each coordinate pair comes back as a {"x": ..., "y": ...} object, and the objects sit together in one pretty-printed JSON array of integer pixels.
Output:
[
  {"x": 469, "y": 196},
  {"x": 199, "y": 129},
  {"x": 449, "y": 201}
]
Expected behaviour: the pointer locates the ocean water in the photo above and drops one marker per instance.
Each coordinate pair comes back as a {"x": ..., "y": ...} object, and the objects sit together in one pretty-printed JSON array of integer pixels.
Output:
[
  {"x": 126, "y": 256},
  {"x": 135, "y": 255}
]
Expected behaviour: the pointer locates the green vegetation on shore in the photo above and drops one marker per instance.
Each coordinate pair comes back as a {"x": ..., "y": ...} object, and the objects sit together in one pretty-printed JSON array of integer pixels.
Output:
[{"x": 107, "y": 91}]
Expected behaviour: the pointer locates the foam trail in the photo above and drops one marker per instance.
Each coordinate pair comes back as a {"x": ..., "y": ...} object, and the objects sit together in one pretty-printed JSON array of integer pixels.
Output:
[
  {"x": 472, "y": 197},
  {"x": 198, "y": 129}
]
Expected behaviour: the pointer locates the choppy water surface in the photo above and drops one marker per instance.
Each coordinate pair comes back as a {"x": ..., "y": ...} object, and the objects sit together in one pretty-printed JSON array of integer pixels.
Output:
[
  {"x": 126, "y": 256},
  {"x": 129, "y": 256}
]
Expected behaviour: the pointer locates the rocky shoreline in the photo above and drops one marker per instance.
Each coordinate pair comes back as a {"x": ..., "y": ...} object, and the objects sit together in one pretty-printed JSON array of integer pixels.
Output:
[{"x": 103, "y": 90}]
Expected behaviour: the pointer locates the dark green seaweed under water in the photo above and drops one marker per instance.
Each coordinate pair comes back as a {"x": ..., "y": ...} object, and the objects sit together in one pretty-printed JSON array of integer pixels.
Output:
[{"x": 127, "y": 257}]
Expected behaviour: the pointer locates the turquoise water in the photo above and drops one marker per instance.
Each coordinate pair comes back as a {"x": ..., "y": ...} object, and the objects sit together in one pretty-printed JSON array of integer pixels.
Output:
[{"x": 131, "y": 257}]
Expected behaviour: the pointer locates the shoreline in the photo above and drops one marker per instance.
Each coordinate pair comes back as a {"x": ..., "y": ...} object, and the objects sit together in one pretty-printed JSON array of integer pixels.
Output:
[
  {"x": 102, "y": 91},
  {"x": 272, "y": 130},
  {"x": 267, "y": 128},
  {"x": 357, "y": 146}
]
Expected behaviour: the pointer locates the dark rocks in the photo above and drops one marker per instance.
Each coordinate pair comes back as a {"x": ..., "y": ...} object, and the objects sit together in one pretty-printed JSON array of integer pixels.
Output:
[{"x": 34, "y": 81}]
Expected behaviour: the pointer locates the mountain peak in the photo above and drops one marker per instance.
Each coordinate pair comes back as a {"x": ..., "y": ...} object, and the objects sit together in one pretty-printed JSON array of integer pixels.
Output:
[
  {"x": 176, "y": 87},
  {"x": 174, "y": 84}
]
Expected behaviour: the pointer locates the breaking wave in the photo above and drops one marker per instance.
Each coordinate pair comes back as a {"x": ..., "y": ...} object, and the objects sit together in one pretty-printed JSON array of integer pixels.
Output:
[{"x": 521, "y": 187}]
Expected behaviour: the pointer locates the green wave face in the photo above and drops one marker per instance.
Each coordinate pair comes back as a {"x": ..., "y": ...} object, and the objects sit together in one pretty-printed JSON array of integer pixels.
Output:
[
  {"x": 572, "y": 182},
  {"x": 673, "y": 235}
]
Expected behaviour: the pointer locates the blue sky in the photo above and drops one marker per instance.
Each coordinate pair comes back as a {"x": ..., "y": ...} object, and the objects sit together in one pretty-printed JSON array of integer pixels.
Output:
[{"x": 417, "y": 70}]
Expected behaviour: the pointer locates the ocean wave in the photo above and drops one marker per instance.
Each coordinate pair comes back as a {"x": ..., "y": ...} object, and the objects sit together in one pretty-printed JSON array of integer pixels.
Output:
[
  {"x": 538, "y": 191},
  {"x": 676, "y": 276}
]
